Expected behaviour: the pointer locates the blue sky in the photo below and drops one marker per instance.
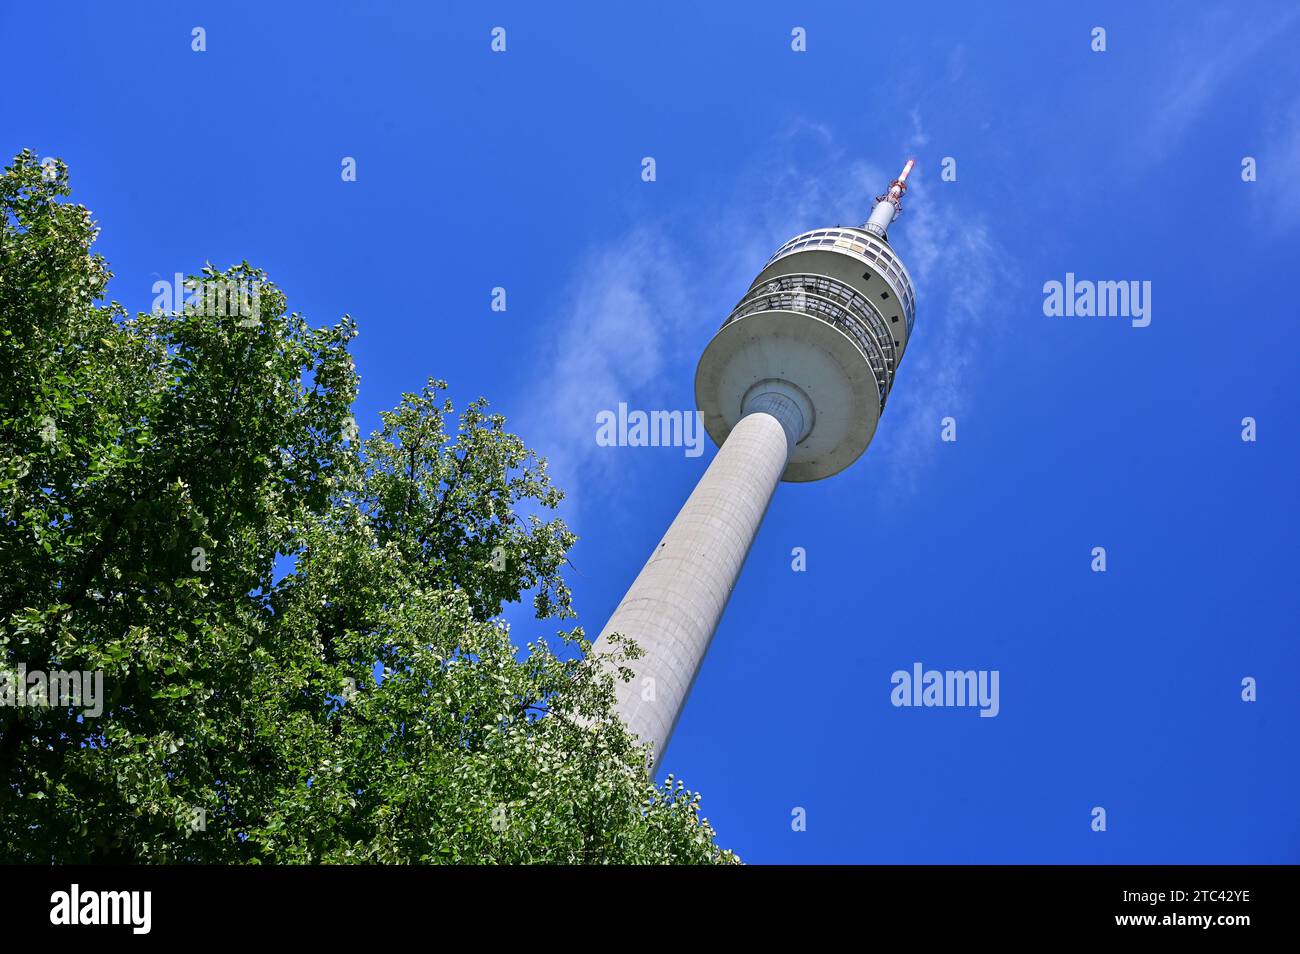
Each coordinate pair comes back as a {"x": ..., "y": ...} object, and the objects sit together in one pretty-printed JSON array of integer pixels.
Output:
[{"x": 522, "y": 169}]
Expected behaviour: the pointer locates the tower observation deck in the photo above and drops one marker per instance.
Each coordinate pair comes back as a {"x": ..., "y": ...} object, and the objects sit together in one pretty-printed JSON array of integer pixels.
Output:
[{"x": 791, "y": 387}]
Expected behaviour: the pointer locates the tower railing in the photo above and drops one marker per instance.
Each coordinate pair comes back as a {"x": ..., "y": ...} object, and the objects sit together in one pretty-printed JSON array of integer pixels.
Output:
[
  {"x": 836, "y": 303},
  {"x": 865, "y": 246}
]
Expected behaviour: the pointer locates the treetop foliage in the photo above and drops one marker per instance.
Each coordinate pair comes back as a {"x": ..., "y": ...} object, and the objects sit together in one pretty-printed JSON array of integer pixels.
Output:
[{"x": 298, "y": 630}]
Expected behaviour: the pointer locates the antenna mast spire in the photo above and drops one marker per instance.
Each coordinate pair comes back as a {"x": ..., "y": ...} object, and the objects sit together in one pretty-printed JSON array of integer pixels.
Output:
[{"x": 889, "y": 206}]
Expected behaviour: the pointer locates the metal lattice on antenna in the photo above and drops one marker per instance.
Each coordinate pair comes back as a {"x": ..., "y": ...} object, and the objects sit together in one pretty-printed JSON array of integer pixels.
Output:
[
  {"x": 889, "y": 206},
  {"x": 791, "y": 388}
]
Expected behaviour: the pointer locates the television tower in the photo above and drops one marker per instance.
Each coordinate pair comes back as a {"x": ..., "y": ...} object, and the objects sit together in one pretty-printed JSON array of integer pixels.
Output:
[{"x": 791, "y": 388}]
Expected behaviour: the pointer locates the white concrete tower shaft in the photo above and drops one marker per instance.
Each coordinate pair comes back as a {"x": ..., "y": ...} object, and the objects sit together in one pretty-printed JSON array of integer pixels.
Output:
[{"x": 675, "y": 603}]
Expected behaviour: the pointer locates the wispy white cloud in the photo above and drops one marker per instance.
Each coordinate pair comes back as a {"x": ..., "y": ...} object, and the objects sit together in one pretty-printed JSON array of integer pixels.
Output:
[
  {"x": 624, "y": 321},
  {"x": 957, "y": 266},
  {"x": 1213, "y": 48},
  {"x": 1277, "y": 192},
  {"x": 639, "y": 310}
]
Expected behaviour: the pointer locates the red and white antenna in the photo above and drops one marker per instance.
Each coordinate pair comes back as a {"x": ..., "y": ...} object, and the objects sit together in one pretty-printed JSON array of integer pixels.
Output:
[{"x": 889, "y": 205}]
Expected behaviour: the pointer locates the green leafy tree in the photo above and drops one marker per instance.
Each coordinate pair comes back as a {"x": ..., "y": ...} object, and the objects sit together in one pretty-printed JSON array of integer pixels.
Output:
[{"x": 298, "y": 630}]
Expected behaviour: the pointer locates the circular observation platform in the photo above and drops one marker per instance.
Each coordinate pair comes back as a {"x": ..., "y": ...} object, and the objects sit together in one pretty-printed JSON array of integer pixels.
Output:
[{"x": 831, "y": 313}]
